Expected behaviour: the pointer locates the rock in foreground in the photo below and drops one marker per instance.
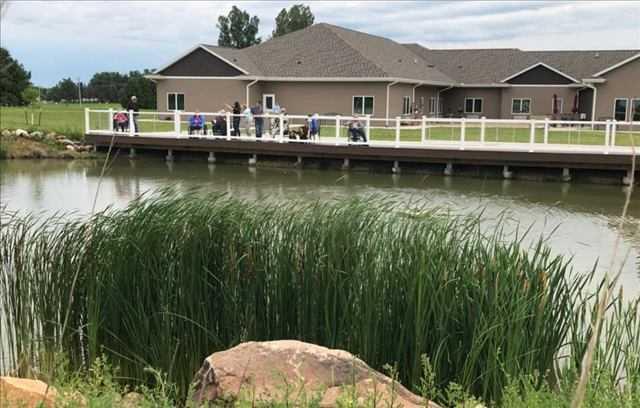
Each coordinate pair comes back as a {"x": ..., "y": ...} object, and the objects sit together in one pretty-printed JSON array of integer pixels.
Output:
[
  {"x": 21, "y": 392},
  {"x": 294, "y": 371}
]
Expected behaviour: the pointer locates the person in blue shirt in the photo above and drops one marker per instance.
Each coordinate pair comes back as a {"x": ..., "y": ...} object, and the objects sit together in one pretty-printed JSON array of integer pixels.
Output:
[{"x": 196, "y": 122}]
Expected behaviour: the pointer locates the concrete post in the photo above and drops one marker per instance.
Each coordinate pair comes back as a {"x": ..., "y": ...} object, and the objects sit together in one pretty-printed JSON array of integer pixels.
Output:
[
  {"x": 169, "y": 157},
  {"x": 253, "y": 160},
  {"x": 448, "y": 169},
  {"x": 212, "y": 157},
  {"x": 396, "y": 167},
  {"x": 506, "y": 173},
  {"x": 566, "y": 174}
]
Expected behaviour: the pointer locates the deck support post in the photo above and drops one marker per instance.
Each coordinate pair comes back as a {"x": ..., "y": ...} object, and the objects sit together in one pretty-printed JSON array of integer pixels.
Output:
[
  {"x": 176, "y": 123},
  {"x": 110, "y": 120},
  {"x": 368, "y": 128},
  {"x": 566, "y": 174},
  {"x": 483, "y": 128},
  {"x": 337, "y": 130},
  {"x": 281, "y": 135},
  {"x": 132, "y": 153},
  {"x": 169, "y": 157},
  {"x": 532, "y": 136},
  {"x": 463, "y": 131},
  {"x": 397, "y": 131},
  {"x": 253, "y": 160},
  {"x": 448, "y": 169},
  {"x": 212, "y": 157},
  {"x": 506, "y": 173},
  {"x": 396, "y": 167},
  {"x": 546, "y": 131},
  {"x": 87, "y": 124},
  {"x": 423, "y": 129},
  {"x": 132, "y": 124},
  {"x": 345, "y": 164},
  {"x": 607, "y": 136},
  {"x": 627, "y": 179},
  {"x": 299, "y": 161},
  {"x": 613, "y": 133},
  {"x": 228, "y": 125}
]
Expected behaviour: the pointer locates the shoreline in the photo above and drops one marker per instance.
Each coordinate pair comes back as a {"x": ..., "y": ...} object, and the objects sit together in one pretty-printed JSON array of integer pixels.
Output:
[{"x": 20, "y": 144}]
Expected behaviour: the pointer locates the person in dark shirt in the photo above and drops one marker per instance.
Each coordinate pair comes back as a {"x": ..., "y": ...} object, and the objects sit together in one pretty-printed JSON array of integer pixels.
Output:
[
  {"x": 237, "y": 111},
  {"x": 259, "y": 121},
  {"x": 133, "y": 106}
]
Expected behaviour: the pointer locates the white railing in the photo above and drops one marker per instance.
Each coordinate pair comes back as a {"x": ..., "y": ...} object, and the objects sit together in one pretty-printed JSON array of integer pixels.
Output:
[{"x": 511, "y": 134}]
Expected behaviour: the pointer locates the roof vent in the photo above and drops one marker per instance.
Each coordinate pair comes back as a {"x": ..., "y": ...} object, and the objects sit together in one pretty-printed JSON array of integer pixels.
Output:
[
  {"x": 399, "y": 59},
  {"x": 415, "y": 60},
  {"x": 298, "y": 62},
  {"x": 459, "y": 66},
  {"x": 597, "y": 55},
  {"x": 431, "y": 65}
]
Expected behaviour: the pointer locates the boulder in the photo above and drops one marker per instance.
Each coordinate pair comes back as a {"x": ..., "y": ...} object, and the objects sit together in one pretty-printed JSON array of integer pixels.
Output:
[
  {"x": 51, "y": 137},
  {"x": 37, "y": 135},
  {"x": 6, "y": 133},
  {"x": 70, "y": 147},
  {"x": 21, "y": 392},
  {"x": 290, "y": 371},
  {"x": 66, "y": 142},
  {"x": 22, "y": 133}
]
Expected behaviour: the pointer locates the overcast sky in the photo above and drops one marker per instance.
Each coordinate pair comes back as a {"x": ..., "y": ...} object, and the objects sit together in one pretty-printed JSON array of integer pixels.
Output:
[{"x": 56, "y": 39}]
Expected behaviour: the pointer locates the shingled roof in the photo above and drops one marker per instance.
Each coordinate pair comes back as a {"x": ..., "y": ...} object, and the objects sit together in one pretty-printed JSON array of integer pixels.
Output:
[
  {"x": 492, "y": 65},
  {"x": 328, "y": 51}
]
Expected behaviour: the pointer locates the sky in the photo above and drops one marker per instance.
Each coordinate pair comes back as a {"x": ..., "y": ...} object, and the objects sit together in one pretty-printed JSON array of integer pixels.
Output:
[{"x": 59, "y": 39}]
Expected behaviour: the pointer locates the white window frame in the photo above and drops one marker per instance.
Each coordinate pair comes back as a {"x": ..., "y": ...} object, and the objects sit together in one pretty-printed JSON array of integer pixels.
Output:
[
  {"x": 264, "y": 102},
  {"x": 373, "y": 107},
  {"x": 175, "y": 97},
  {"x": 433, "y": 101},
  {"x": 626, "y": 108},
  {"x": 521, "y": 99},
  {"x": 631, "y": 108},
  {"x": 561, "y": 109},
  {"x": 406, "y": 103},
  {"x": 473, "y": 104}
]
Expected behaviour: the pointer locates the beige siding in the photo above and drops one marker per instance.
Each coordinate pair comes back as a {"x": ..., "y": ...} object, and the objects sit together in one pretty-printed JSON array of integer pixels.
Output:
[
  {"x": 423, "y": 93},
  {"x": 453, "y": 101},
  {"x": 396, "y": 93},
  {"x": 302, "y": 98},
  {"x": 622, "y": 82},
  {"x": 541, "y": 100},
  {"x": 205, "y": 95}
]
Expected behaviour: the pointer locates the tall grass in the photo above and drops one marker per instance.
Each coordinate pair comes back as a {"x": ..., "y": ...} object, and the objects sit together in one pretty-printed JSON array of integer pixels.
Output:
[{"x": 173, "y": 278}]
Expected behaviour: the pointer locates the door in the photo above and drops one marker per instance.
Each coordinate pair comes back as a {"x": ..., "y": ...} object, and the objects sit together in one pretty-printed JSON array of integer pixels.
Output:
[{"x": 268, "y": 102}]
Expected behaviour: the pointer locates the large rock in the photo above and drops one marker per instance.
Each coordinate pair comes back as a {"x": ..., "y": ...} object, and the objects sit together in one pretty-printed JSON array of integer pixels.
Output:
[
  {"x": 292, "y": 370},
  {"x": 5, "y": 133},
  {"x": 22, "y": 133},
  {"x": 21, "y": 392}
]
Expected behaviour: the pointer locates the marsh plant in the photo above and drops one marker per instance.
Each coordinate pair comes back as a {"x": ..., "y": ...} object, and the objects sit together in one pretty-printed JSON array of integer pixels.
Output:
[{"x": 175, "y": 277}]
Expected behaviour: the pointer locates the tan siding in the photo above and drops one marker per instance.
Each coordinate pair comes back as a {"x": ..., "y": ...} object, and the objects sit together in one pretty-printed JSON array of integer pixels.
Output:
[
  {"x": 453, "y": 101},
  {"x": 396, "y": 93},
  {"x": 541, "y": 99},
  {"x": 425, "y": 92},
  {"x": 205, "y": 95},
  {"x": 623, "y": 82}
]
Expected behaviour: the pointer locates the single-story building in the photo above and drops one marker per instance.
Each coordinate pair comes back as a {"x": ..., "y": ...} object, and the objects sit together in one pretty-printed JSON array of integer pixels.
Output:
[{"x": 332, "y": 70}]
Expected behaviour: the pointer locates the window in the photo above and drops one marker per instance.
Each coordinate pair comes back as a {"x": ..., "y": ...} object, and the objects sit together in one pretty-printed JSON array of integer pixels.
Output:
[
  {"x": 362, "y": 105},
  {"x": 432, "y": 105},
  {"x": 559, "y": 105},
  {"x": 620, "y": 109},
  {"x": 268, "y": 101},
  {"x": 473, "y": 105},
  {"x": 635, "y": 109},
  {"x": 521, "y": 105},
  {"x": 175, "y": 101},
  {"x": 406, "y": 105}
]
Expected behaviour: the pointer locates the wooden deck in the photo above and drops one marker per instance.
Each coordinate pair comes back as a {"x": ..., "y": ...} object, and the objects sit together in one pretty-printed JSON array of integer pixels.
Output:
[{"x": 470, "y": 153}]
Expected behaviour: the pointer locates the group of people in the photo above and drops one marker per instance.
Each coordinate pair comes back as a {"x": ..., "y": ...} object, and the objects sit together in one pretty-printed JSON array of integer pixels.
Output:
[{"x": 121, "y": 118}]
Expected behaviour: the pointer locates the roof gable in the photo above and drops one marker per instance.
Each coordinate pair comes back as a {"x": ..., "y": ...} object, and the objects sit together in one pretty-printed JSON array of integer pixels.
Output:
[
  {"x": 540, "y": 74},
  {"x": 200, "y": 62},
  {"x": 618, "y": 65}
]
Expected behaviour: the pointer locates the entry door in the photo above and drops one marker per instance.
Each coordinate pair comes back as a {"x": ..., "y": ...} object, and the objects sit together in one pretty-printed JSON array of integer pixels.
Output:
[{"x": 268, "y": 102}]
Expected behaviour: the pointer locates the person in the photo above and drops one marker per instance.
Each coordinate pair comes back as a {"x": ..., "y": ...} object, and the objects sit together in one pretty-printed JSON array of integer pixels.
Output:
[
  {"x": 219, "y": 124},
  {"x": 248, "y": 118},
  {"x": 120, "y": 121},
  {"x": 196, "y": 122},
  {"x": 356, "y": 132},
  {"x": 133, "y": 106},
  {"x": 237, "y": 111},
  {"x": 314, "y": 126},
  {"x": 285, "y": 122},
  {"x": 257, "y": 112}
]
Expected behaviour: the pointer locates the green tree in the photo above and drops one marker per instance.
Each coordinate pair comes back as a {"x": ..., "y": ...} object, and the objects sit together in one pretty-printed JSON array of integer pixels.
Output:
[
  {"x": 238, "y": 29},
  {"x": 30, "y": 95},
  {"x": 14, "y": 79},
  {"x": 298, "y": 17},
  {"x": 65, "y": 90},
  {"x": 107, "y": 86},
  {"x": 144, "y": 89}
]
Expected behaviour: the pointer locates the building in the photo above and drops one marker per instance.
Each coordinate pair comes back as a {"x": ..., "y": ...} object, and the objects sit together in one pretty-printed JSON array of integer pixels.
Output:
[{"x": 332, "y": 70}]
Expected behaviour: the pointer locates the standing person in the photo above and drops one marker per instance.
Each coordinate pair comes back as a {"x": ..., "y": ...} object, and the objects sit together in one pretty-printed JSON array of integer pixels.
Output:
[
  {"x": 246, "y": 112},
  {"x": 133, "y": 106},
  {"x": 257, "y": 112},
  {"x": 237, "y": 110}
]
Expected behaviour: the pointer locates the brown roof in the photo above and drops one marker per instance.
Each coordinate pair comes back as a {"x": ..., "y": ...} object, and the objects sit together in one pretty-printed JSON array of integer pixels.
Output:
[
  {"x": 492, "y": 65},
  {"x": 324, "y": 51}
]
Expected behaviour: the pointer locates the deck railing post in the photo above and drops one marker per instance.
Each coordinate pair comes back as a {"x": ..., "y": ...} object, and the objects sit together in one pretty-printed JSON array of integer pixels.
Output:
[
  {"x": 337, "y": 130},
  {"x": 281, "y": 121},
  {"x": 397, "y": 131},
  {"x": 614, "y": 125},
  {"x": 546, "y": 131},
  {"x": 87, "y": 126},
  {"x": 228, "y": 114},
  {"x": 132, "y": 124},
  {"x": 463, "y": 130},
  {"x": 110, "y": 120},
  {"x": 532, "y": 133},
  {"x": 368, "y": 128},
  {"x": 176, "y": 123},
  {"x": 423, "y": 129},
  {"x": 607, "y": 135},
  {"x": 483, "y": 128}
]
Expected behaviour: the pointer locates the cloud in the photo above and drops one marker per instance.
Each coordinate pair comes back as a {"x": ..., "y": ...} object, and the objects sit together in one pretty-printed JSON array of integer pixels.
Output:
[{"x": 56, "y": 39}]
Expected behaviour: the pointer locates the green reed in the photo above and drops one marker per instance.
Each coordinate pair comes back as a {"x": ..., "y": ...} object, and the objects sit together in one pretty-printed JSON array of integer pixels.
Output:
[{"x": 175, "y": 277}]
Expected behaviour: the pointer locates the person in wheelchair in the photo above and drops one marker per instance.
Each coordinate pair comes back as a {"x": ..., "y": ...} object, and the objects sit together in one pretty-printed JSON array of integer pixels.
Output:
[
  {"x": 356, "y": 131},
  {"x": 197, "y": 123}
]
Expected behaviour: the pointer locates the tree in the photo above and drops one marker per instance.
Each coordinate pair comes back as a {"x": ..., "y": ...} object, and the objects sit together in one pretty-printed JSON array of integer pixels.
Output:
[
  {"x": 65, "y": 90},
  {"x": 14, "y": 79},
  {"x": 30, "y": 95},
  {"x": 298, "y": 17},
  {"x": 238, "y": 29},
  {"x": 144, "y": 89},
  {"x": 107, "y": 86}
]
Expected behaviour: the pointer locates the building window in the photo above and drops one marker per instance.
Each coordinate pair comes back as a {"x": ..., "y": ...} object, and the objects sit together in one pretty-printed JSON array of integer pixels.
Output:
[
  {"x": 620, "y": 109},
  {"x": 520, "y": 105},
  {"x": 175, "y": 101},
  {"x": 473, "y": 105},
  {"x": 406, "y": 105},
  {"x": 432, "y": 105},
  {"x": 362, "y": 105},
  {"x": 559, "y": 105},
  {"x": 635, "y": 109}
]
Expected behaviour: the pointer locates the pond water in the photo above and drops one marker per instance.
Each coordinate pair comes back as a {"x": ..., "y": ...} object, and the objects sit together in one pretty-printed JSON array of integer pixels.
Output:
[{"x": 581, "y": 220}]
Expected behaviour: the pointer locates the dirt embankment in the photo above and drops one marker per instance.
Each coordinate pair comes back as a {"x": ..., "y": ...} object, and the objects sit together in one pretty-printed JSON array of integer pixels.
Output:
[{"x": 21, "y": 144}]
